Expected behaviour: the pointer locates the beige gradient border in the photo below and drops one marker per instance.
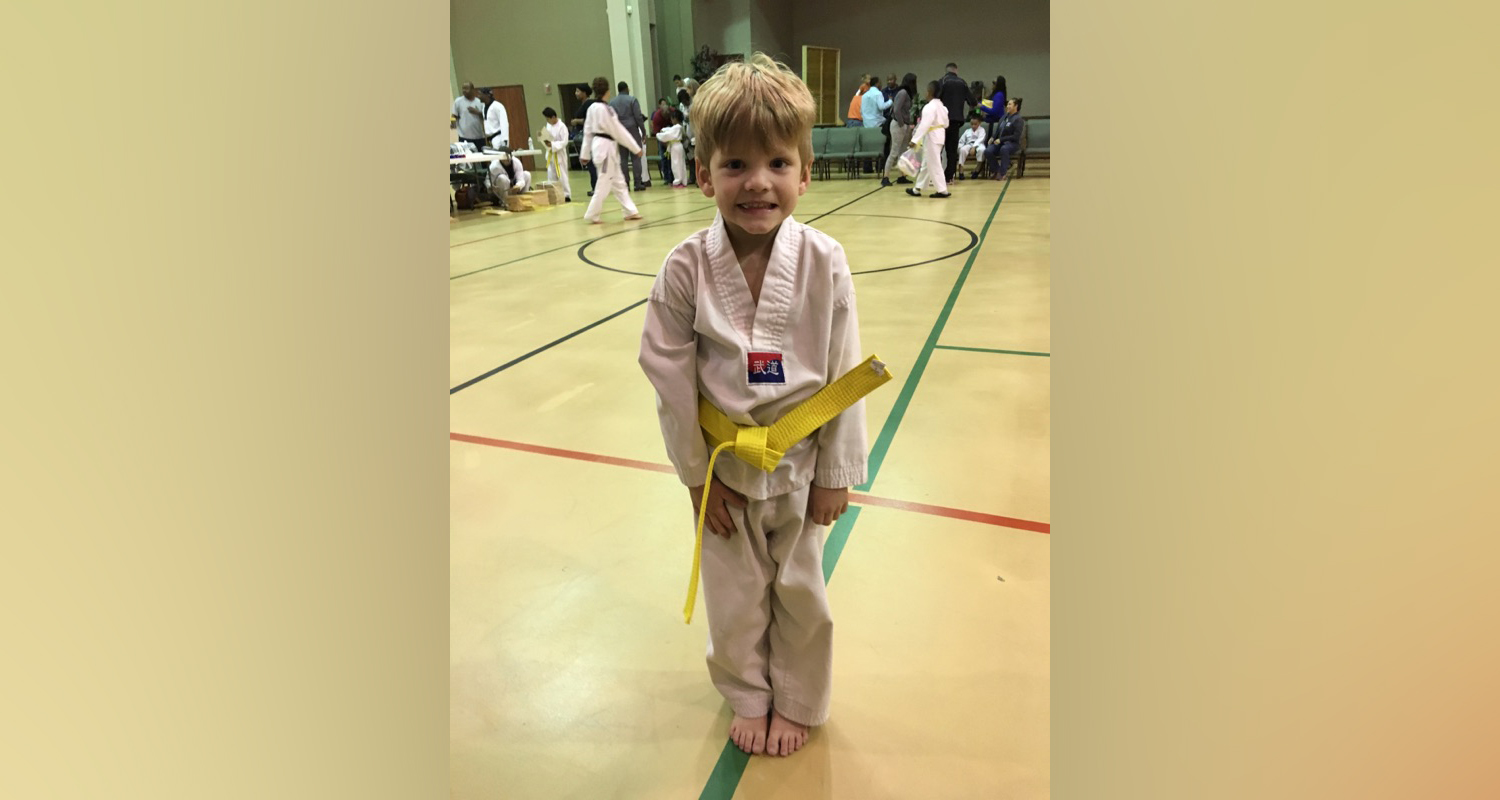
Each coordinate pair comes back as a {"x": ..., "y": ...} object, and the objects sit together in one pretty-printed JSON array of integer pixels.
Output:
[
  {"x": 1275, "y": 401},
  {"x": 225, "y": 496},
  {"x": 225, "y": 559}
]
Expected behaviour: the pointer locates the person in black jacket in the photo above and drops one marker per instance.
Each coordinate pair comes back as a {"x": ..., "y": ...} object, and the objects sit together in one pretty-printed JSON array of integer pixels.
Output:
[
  {"x": 954, "y": 93},
  {"x": 1007, "y": 139}
]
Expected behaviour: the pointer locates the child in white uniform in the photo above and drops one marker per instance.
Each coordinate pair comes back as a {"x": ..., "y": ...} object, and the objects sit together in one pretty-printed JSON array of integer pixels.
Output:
[
  {"x": 930, "y": 135},
  {"x": 671, "y": 136},
  {"x": 603, "y": 136},
  {"x": 555, "y": 139},
  {"x": 970, "y": 143},
  {"x": 757, "y": 313}
]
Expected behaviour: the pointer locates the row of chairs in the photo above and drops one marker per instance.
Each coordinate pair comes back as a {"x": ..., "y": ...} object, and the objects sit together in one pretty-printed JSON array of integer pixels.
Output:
[{"x": 845, "y": 147}]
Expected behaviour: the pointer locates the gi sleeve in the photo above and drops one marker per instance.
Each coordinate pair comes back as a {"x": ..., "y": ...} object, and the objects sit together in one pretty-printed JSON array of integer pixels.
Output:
[
  {"x": 669, "y": 357},
  {"x": 843, "y": 444}
]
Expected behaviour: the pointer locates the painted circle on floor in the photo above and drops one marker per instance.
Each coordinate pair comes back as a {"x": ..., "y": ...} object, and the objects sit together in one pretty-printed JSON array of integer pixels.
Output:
[{"x": 958, "y": 234}]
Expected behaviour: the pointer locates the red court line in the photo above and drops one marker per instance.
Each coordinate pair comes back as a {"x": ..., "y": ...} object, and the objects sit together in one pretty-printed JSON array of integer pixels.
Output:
[
  {"x": 559, "y": 452},
  {"x": 953, "y": 513},
  {"x": 854, "y": 497}
]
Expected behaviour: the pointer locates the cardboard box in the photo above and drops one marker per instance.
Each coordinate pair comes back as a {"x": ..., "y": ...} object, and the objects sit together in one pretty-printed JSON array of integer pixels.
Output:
[
  {"x": 554, "y": 193},
  {"x": 539, "y": 197}
]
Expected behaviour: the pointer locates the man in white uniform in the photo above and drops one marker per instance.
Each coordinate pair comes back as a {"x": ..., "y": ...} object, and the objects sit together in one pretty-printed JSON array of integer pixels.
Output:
[
  {"x": 602, "y": 136},
  {"x": 496, "y": 121},
  {"x": 757, "y": 313}
]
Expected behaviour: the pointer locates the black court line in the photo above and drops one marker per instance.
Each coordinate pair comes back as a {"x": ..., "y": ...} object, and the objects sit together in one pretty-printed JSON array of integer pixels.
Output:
[
  {"x": 555, "y": 249},
  {"x": 585, "y": 259},
  {"x": 846, "y": 205},
  {"x": 507, "y": 365},
  {"x": 973, "y": 241},
  {"x": 511, "y": 363},
  {"x": 549, "y": 224}
]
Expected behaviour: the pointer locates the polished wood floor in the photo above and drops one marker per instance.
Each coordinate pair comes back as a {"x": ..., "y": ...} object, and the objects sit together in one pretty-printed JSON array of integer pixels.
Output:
[{"x": 572, "y": 673}]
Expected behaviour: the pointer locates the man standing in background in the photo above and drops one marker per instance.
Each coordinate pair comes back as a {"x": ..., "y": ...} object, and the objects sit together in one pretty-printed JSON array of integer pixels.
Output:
[
  {"x": 584, "y": 95},
  {"x": 496, "y": 121},
  {"x": 468, "y": 117},
  {"x": 855, "y": 118},
  {"x": 954, "y": 94},
  {"x": 628, "y": 111},
  {"x": 890, "y": 87}
]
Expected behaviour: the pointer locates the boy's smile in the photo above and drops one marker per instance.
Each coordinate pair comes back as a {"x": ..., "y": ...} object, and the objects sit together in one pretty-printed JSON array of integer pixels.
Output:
[{"x": 755, "y": 188}]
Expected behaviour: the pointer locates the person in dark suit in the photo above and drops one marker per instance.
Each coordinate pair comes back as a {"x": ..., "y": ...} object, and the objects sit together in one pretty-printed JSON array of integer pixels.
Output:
[
  {"x": 628, "y": 110},
  {"x": 1007, "y": 139},
  {"x": 954, "y": 94}
]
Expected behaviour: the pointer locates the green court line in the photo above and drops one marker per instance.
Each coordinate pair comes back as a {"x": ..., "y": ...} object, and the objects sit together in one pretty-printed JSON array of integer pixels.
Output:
[
  {"x": 988, "y": 350},
  {"x": 730, "y": 767},
  {"x": 903, "y": 401},
  {"x": 833, "y": 546},
  {"x": 726, "y": 775}
]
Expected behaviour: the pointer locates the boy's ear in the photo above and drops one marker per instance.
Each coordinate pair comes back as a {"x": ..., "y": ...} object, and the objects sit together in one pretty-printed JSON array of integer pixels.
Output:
[
  {"x": 705, "y": 179},
  {"x": 804, "y": 180}
]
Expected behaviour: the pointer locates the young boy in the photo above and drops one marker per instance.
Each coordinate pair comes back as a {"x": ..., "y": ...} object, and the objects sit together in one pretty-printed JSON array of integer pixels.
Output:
[
  {"x": 757, "y": 313},
  {"x": 603, "y": 136},
  {"x": 660, "y": 120},
  {"x": 671, "y": 138},
  {"x": 555, "y": 139},
  {"x": 970, "y": 143}
]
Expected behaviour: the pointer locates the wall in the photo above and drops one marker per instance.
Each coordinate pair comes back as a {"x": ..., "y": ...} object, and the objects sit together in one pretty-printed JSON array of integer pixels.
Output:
[
  {"x": 984, "y": 39},
  {"x": 771, "y": 29},
  {"x": 505, "y": 43},
  {"x": 723, "y": 25},
  {"x": 674, "y": 39},
  {"x": 509, "y": 43}
]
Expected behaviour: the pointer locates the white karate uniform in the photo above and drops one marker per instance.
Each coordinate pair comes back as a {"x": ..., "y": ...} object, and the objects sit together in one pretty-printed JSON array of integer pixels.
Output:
[
  {"x": 497, "y": 125},
  {"x": 970, "y": 143},
  {"x": 557, "y": 144},
  {"x": 500, "y": 181},
  {"x": 671, "y": 136},
  {"x": 606, "y": 157},
  {"x": 770, "y": 630},
  {"x": 932, "y": 126},
  {"x": 523, "y": 178}
]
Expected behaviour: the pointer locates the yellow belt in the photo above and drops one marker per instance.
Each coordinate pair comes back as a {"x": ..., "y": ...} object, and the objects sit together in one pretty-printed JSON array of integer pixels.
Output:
[
  {"x": 763, "y": 446},
  {"x": 552, "y": 159}
]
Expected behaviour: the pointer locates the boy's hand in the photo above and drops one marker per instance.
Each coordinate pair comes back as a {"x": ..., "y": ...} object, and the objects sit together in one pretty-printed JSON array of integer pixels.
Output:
[
  {"x": 717, "y": 519},
  {"x": 827, "y": 505}
]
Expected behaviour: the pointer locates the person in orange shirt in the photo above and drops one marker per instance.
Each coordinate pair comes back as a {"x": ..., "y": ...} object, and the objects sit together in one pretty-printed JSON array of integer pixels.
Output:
[{"x": 855, "y": 118}]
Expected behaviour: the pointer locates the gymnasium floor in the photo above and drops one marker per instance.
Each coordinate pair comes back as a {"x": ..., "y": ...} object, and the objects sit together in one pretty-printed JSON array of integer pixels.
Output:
[{"x": 572, "y": 673}]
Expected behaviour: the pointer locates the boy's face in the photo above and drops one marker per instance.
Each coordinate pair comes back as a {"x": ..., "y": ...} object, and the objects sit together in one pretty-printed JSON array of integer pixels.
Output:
[
  {"x": 551, "y": 119},
  {"x": 974, "y": 123},
  {"x": 755, "y": 184}
]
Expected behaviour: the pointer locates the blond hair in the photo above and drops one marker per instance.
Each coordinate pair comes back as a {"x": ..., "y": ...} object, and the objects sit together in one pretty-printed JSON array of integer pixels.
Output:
[{"x": 760, "y": 97}]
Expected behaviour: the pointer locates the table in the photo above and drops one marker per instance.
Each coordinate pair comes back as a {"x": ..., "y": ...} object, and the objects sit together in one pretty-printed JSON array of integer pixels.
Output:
[{"x": 477, "y": 158}]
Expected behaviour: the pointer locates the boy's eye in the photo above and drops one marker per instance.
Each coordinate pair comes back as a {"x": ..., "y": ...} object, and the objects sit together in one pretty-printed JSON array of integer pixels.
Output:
[
  {"x": 779, "y": 163},
  {"x": 734, "y": 163}
]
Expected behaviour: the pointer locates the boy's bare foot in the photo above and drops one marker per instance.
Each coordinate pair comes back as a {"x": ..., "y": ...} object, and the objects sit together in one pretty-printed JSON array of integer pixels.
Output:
[
  {"x": 748, "y": 734},
  {"x": 784, "y": 736}
]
